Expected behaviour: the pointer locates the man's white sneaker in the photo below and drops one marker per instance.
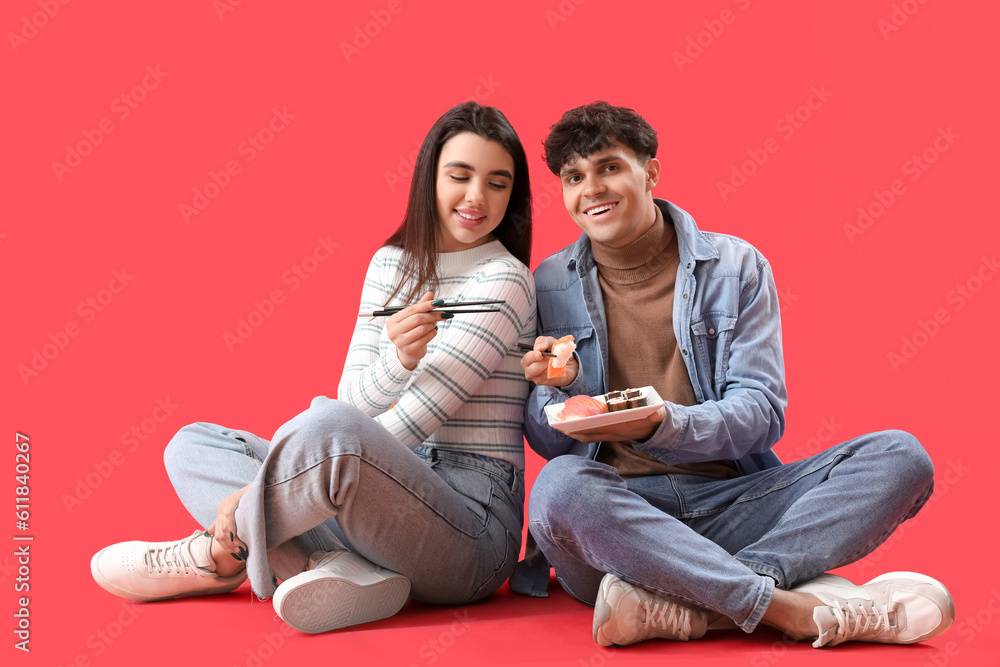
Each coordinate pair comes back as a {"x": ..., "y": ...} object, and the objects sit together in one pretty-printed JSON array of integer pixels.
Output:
[
  {"x": 149, "y": 571},
  {"x": 895, "y": 608},
  {"x": 625, "y": 614},
  {"x": 339, "y": 589}
]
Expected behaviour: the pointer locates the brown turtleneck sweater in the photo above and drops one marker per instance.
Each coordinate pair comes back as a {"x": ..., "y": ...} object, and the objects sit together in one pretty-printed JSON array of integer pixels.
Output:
[{"x": 637, "y": 281}]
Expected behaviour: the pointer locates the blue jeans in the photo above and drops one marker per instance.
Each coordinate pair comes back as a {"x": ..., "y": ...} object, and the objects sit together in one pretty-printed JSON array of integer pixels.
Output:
[
  {"x": 334, "y": 478},
  {"x": 725, "y": 544}
]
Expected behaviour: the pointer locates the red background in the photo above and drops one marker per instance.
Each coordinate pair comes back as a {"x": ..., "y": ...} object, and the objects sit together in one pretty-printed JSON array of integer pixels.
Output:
[{"x": 333, "y": 171}]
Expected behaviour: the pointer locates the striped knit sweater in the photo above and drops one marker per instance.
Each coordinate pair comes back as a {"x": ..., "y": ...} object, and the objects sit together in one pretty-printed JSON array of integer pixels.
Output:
[{"x": 468, "y": 392}]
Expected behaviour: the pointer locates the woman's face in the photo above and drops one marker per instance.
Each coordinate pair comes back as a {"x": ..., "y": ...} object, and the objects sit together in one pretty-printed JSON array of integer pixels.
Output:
[{"x": 474, "y": 180}]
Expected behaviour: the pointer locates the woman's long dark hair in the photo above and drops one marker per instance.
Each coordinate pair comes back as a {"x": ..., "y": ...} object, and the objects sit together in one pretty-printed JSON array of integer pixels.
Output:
[{"x": 418, "y": 233}]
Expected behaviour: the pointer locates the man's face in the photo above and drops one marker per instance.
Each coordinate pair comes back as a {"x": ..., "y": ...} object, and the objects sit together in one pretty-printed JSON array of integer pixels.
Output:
[{"x": 608, "y": 194}]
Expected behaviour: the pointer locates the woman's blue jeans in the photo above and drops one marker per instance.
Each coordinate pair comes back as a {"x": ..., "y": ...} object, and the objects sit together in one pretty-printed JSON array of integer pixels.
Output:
[{"x": 333, "y": 478}]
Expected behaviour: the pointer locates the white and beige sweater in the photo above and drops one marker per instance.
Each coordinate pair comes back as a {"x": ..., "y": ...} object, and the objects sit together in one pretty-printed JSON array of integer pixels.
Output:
[{"x": 468, "y": 392}]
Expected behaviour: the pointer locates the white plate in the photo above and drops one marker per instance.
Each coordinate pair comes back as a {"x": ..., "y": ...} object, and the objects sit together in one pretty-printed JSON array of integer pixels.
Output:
[{"x": 653, "y": 403}]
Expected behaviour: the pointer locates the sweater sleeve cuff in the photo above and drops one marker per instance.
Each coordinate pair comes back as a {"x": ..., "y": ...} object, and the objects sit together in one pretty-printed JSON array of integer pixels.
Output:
[{"x": 394, "y": 369}]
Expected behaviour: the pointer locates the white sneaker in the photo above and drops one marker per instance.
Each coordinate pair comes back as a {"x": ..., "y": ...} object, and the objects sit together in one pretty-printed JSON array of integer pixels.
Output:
[
  {"x": 148, "y": 571},
  {"x": 339, "y": 589},
  {"x": 895, "y": 608},
  {"x": 625, "y": 614}
]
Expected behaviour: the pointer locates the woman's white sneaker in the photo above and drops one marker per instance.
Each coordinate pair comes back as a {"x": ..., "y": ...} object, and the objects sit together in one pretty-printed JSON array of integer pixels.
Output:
[
  {"x": 339, "y": 589},
  {"x": 150, "y": 571}
]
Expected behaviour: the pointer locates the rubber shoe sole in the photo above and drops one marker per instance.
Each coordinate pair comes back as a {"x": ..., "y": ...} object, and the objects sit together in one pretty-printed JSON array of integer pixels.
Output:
[{"x": 315, "y": 602}]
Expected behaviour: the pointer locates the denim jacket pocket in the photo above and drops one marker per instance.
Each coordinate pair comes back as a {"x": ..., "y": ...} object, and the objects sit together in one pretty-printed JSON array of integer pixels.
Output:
[{"x": 711, "y": 336}]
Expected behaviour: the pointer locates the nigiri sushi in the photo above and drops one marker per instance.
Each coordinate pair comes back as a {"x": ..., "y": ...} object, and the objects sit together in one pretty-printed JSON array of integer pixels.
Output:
[
  {"x": 577, "y": 407},
  {"x": 563, "y": 349}
]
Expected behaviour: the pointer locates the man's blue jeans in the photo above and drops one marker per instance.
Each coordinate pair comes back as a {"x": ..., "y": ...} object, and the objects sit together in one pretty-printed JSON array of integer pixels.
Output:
[
  {"x": 725, "y": 544},
  {"x": 332, "y": 477}
]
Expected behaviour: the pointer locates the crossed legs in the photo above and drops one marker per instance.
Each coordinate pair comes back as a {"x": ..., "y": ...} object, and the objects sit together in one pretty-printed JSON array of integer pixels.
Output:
[{"x": 734, "y": 547}]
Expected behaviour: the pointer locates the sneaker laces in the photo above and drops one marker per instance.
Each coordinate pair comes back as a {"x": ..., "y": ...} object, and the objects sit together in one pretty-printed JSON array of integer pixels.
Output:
[
  {"x": 173, "y": 557},
  {"x": 861, "y": 622},
  {"x": 673, "y": 619}
]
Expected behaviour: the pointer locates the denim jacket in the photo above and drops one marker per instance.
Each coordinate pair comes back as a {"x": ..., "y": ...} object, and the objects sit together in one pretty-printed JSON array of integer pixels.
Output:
[{"x": 727, "y": 324}]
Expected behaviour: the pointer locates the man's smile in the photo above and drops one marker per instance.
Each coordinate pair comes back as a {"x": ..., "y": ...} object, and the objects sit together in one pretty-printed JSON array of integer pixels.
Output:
[{"x": 600, "y": 209}]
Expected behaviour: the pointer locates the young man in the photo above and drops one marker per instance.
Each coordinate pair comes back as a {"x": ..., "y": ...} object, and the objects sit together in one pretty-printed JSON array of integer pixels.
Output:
[{"x": 686, "y": 521}]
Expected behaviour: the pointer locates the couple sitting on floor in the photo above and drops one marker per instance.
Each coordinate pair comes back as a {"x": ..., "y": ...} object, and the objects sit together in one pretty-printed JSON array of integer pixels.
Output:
[{"x": 411, "y": 482}]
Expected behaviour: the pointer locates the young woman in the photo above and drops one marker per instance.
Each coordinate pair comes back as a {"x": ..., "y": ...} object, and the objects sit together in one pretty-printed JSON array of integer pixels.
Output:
[{"x": 411, "y": 483}]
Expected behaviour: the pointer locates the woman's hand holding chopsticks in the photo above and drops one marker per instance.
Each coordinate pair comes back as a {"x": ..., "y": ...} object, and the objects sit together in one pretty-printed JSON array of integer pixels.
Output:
[{"x": 413, "y": 327}]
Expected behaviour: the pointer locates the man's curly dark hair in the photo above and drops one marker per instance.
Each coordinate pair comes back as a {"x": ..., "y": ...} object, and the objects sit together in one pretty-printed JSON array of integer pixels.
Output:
[{"x": 592, "y": 128}]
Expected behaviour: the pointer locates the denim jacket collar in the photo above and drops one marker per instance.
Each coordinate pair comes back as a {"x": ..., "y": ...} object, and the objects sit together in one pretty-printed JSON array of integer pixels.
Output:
[{"x": 693, "y": 244}]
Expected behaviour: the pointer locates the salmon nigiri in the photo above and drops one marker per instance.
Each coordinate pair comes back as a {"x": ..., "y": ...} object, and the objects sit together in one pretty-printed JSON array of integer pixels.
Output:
[
  {"x": 581, "y": 406},
  {"x": 563, "y": 349}
]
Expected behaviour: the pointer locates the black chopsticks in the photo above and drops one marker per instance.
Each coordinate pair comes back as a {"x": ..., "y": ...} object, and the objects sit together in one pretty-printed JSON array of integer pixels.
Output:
[
  {"x": 443, "y": 308},
  {"x": 524, "y": 347}
]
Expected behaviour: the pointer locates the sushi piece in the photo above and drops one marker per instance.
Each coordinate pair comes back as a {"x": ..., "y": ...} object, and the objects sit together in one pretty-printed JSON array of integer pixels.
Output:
[
  {"x": 626, "y": 399},
  {"x": 636, "y": 398},
  {"x": 563, "y": 349},
  {"x": 577, "y": 407},
  {"x": 616, "y": 401}
]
